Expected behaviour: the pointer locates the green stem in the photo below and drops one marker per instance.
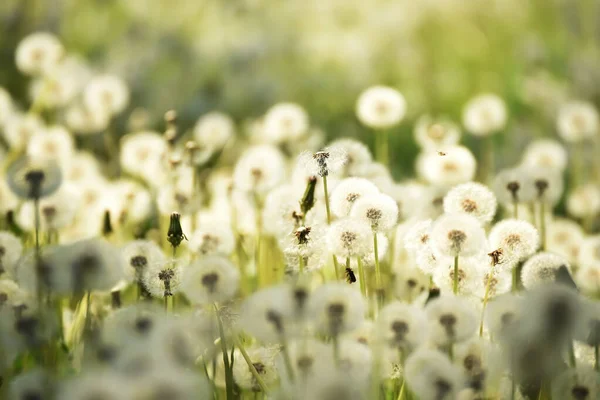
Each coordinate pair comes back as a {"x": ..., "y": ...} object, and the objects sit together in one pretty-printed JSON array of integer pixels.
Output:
[
  {"x": 253, "y": 370},
  {"x": 286, "y": 358},
  {"x": 326, "y": 200},
  {"x": 378, "y": 285},
  {"x": 335, "y": 267},
  {"x": 336, "y": 349},
  {"x": 543, "y": 224},
  {"x": 596, "y": 357},
  {"x": 515, "y": 279},
  {"x": 381, "y": 146},
  {"x": 485, "y": 300},
  {"x": 301, "y": 263},
  {"x": 455, "y": 276},
  {"x": 361, "y": 276},
  {"x": 515, "y": 209},
  {"x": 572, "y": 360},
  {"x": 228, "y": 370}
]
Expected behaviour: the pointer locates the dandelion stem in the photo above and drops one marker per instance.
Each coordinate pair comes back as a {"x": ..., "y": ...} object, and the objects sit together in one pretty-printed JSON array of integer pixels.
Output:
[
  {"x": 378, "y": 285},
  {"x": 402, "y": 393},
  {"x": 286, "y": 358},
  {"x": 228, "y": 370},
  {"x": 335, "y": 267},
  {"x": 455, "y": 276},
  {"x": 572, "y": 360},
  {"x": 253, "y": 370},
  {"x": 38, "y": 254},
  {"x": 543, "y": 224},
  {"x": 596, "y": 357},
  {"x": 301, "y": 263},
  {"x": 326, "y": 192},
  {"x": 381, "y": 146},
  {"x": 515, "y": 209},
  {"x": 515, "y": 279},
  {"x": 361, "y": 276},
  {"x": 336, "y": 349},
  {"x": 86, "y": 321},
  {"x": 485, "y": 299}
]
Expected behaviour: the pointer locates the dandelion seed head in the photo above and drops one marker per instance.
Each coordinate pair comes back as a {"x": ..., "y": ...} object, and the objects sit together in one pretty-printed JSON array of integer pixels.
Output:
[
  {"x": 431, "y": 375},
  {"x": 378, "y": 210},
  {"x": 211, "y": 279},
  {"x": 433, "y": 134},
  {"x": 213, "y": 130},
  {"x": 356, "y": 154},
  {"x": 84, "y": 122},
  {"x": 38, "y": 53},
  {"x": 19, "y": 128},
  {"x": 108, "y": 94},
  {"x": 401, "y": 326},
  {"x": 336, "y": 308},
  {"x": 545, "y": 153},
  {"x": 347, "y": 192},
  {"x": 457, "y": 235},
  {"x": 259, "y": 169},
  {"x": 456, "y": 167},
  {"x": 584, "y": 201},
  {"x": 515, "y": 239},
  {"x": 349, "y": 238},
  {"x": 471, "y": 198},
  {"x": 485, "y": 115},
  {"x": 577, "y": 121},
  {"x": 380, "y": 107},
  {"x": 541, "y": 268}
]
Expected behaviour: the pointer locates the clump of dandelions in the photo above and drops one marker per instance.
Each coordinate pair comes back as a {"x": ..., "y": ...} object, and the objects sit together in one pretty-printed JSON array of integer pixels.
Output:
[{"x": 471, "y": 198}]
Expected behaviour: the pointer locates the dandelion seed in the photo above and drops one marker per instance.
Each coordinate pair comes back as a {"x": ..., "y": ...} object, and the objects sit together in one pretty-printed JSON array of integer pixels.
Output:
[{"x": 457, "y": 235}]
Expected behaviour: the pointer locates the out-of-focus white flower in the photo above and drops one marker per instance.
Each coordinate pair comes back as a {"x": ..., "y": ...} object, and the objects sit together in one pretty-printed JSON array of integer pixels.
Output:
[
  {"x": 82, "y": 168},
  {"x": 8, "y": 200},
  {"x": 431, "y": 134},
  {"x": 10, "y": 252},
  {"x": 541, "y": 269},
  {"x": 83, "y": 121},
  {"x": 578, "y": 382},
  {"x": 33, "y": 178},
  {"x": 431, "y": 375},
  {"x": 401, "y": 326},
  {"x": 471, "y": 198},
  {"x": 285, "y": 122},
  {"x": 211, "y": 279},
  {"x": 511, "y": 185},
  {"x": 106, "y": 94},
  {"x": 456, "y": 235},
  {"x": 589, "y": 252},
  {"x": 451, "y": 320},
  {"x": 128, "y": 202},
  {"x": 451, "y": 166},
  {"x": 565, "y": 237},
  {"x": 584, "y": 201},
  {"x": 356, "y": 153},
  {"x": 142, "y": 153},
  {"x": 213, "y": 130},
  {"x": 19, "y": 128},
  {"x": 38, "y": 53},
  {"x": 347, "y": 192},
  {"x": 104, "y": 385},
  {"x": 216, "y": 239},
  {"x": 408, "y": 196},
  {"x": 544, "y": 184},
  {"x": 55, "y": 143},
  {"x": 513, "y": 240},
  {"x": 577, "y": 120},
  {"x": 377, "y": 173},
  {"x": 502, "y": 314},
  {"x": 57, "y": 211},
  {"x": 349, "y": 238},
  {"x": 379, "y": 210},
  {"x": 336, "y": 308},
  {"x": 6, "y": 105},
  {"x": 484, "y": 115},
  {"x": 380, "y": 107},
  {"x": 259, "y": 169},
  {"x": 179, "y": 194},
  {"x": 587, "y": 278},
  {"x": 470, "y": 274},
  {"x": 328, "y": 161},
  {"x": 545, "y": 153},
  {"x": 138, "y": 256}
]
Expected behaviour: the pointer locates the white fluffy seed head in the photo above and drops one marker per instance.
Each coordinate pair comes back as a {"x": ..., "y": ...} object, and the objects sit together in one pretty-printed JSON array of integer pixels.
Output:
[
  {"x": 263, "y": 359},
  {"x": 336, "y": 308},
  {"x": 471, "y": 198},
  {"x": 38, "y": 53},
  {"x": 378, "y": 210},
  {"x": 19, "y": 128},
  {"x": 577, "y": 120},
  {"x": 380, "y": 107},
  {"x": 347, "y": 192},
  {"x": 485, "y": 115},
  {"x": 451, "y": 319},
  {"x": 329, "y": 161},
  {"x": 589, "y": 252},
  {"x": 401, "y": 326},
  {"x": 349, "y": 237},
  {"x": 431, "y": 134},
  {"x": 10, "y": 252},
  {"x": 163, "y": 278},
  {"x": 213, "y": 130},
  {"x": 106, "y": 94},
  {"x": 457, "y": 235},
  {"x": 541, "y": 269},
  {"x": 259, "y": 169},
  {"x": 510, "y": 186},
  {"x": 584, "y": 201},
  {"x": 431, "y": 375},
  {"x": 513, "y": 240},
  {"x": 576, "y": 383},
  {"x": 356, "y": 153},
  {"x": 142, "y": 153},
  {"x": 587, "y": 278},
  {"x": 543, "y": 184},
  {"x": 55, "y": 143},
  {"x": 138, "y": 256},
  {"x": 448, "y": 167},
  {"x": 545, "y": 153},
  {"x": 565, "y": 237},
  {"x": 470, "y": 275},
  {"x": 211, "y": 279},
  {"x": 285, "y": 122},
  {"x": 218, "y": 239}
]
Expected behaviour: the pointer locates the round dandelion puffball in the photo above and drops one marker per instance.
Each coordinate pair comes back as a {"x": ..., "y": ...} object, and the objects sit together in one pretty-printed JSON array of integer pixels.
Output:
[
  {"x": 349, "y": 238},
  {"x": 356, "y": 153},
  {"x": 448, "y": 167},
  {"x": 456, "y": 235},
  {"x": 543, "y": 184},
  {"x": 514, "y": 240},
  {"x": 471, "y": 198},
  {"x": 589, "y": 251},
  {"x": 380, "y": 107},
  {"x": 577, "y": 121},
  {"x": 470, "y": 274},
  {"x": 432, "y": 134},
  {"x": 584, "y": 201},
  {"x": 337, "y": 308},
  {"x": 541, "y": 269},
  {"x": 213, "y": 130},
  {"x": 545, "y": 153},
  {"x": 347, "y": 192},
  {"x": 285, "y": 122},
  {"x": 33, "y": 178},
  {"x": 588, "y": 279},
  {"x": 401, "y": 326},
  {"x": 452, "y": 319},
  {"x": 211, "y": 279},
  {"x": 10, "y": 252},
  {"x": 106, "y": 94},
  {"x": 510, "y": 186},
  {"x": 378, "y": 210},
  {"x": 431, "y": 375},
  {"x": 484, "y": 115},
  {"x": 38, "y": 53},
  {"x": 259, "y": 169}
]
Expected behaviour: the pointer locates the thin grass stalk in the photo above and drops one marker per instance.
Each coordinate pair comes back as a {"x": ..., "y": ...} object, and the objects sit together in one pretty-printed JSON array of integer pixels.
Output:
[
  {"x": 253, "y": 370},
  {"x": 228, "y": 370}
]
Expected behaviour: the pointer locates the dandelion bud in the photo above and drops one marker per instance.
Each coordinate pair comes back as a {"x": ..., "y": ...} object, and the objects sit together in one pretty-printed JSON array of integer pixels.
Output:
[
  {"x": 175, "y": 234},
  {"x": 107, "y": 228},
  {"x": 308, "y": 199}
]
